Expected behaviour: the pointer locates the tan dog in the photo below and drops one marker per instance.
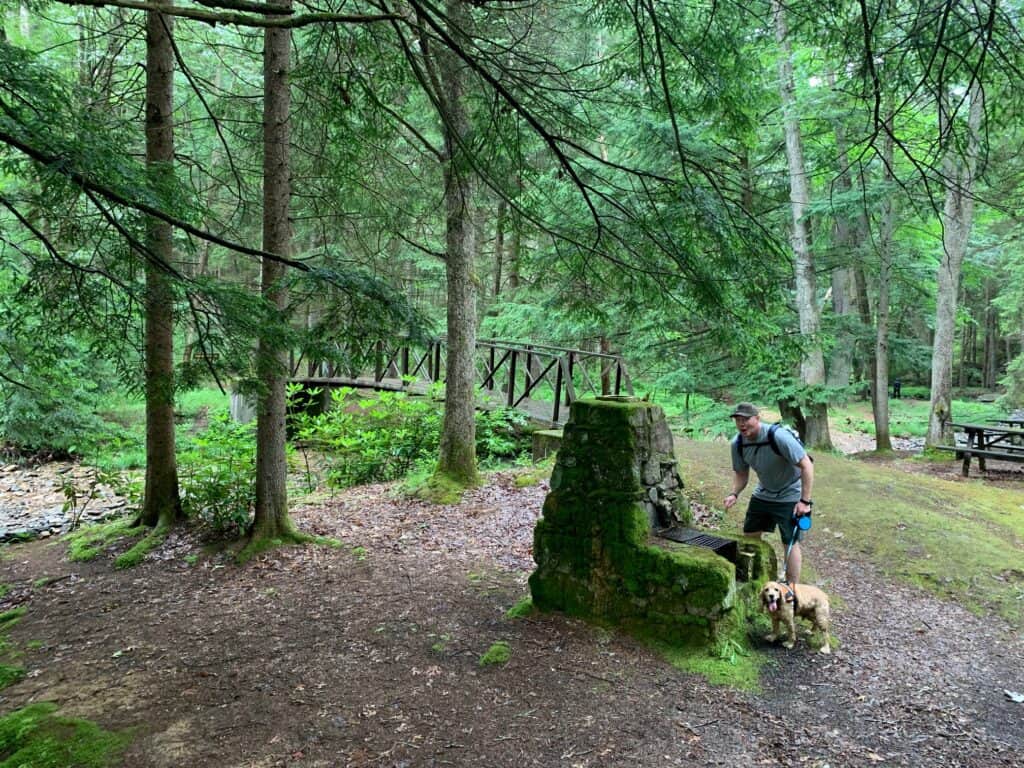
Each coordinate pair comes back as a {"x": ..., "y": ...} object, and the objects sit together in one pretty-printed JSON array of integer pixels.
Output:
[{"x": 779, "y": 599}]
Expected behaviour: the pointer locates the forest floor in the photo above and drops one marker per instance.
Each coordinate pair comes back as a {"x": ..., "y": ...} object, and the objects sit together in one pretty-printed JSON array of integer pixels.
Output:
[{"x": 369, "y": 655}]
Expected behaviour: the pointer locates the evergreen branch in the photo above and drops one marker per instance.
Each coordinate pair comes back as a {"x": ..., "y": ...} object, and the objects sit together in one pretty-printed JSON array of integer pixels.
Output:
[
  {"x": 59, "y": 165},
  {"x": 237, "y": 19},
  {"x": 52, "y": 249}
]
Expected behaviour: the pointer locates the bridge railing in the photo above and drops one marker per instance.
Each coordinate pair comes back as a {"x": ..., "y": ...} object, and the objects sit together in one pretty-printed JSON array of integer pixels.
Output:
[
  {"x": 539, "y": 379},
  {"x": 547, "y": 379}
]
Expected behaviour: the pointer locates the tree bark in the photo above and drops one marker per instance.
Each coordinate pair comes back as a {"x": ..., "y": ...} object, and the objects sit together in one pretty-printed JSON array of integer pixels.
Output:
[
  {"x": 458, "y": 431},
  {"x": 883, "y": 441},
  {"x": 161, "y": 502},
  {"x": 499, "y": 245},
  {"x": 990, "y": 365},
  {"x": 812, "y": 366},
  {"x": 271, "y": 517},
  {"x": 957, "y": 219},
  {"x": 844, "y": 295}
]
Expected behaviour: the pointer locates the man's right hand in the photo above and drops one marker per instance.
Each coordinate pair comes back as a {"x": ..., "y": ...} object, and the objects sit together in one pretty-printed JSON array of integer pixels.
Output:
[{"x": 731, "y": 500}]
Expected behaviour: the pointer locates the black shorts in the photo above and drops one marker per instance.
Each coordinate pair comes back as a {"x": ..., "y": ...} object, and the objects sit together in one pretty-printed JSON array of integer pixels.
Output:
[{"x": 763, "y": 516}]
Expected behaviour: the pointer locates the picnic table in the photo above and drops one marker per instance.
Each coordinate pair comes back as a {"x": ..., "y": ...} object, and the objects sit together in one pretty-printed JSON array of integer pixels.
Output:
[
  {"x": 985, "y": 441},
  {"x": 1010, "y": 421}
]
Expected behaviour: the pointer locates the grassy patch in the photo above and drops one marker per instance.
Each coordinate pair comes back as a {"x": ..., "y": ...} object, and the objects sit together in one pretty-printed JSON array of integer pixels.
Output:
[
  {"x": 10, "y": 675},
  {"x": 35, "y": 736},
  {"x": 499, "y": 653},
  {"x": 88, "y": 542},
  {"x": 908, "y": 417},
  {"x": 9, "y": 618},
  {"x": 961, "y": 541},
  {"x": 122, "y": 447}
]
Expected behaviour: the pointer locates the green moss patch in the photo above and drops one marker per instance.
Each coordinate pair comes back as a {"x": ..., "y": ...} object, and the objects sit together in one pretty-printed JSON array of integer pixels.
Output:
[
  {"x": 35, "y": 736},
  {"x": 523, "y": 608},
  {"x": 731, "y": 662},
  {"x": 437, "y": 488},
  {"x": 88, "y": 543},
  {"x": 499, "y": 653},
  {"x": 143, "y": 547},
  {"x": 262, "y": 544}
]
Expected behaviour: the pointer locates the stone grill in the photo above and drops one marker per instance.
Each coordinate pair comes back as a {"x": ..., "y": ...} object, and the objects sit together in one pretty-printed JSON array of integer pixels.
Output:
[{"x": 727, "y": 548}]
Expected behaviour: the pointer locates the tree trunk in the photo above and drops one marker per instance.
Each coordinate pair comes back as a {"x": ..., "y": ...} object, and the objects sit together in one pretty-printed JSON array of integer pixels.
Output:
[
  {"x": 271, "y": 518},
  {"x": 883, "y": 441},
  {"x": 458, "y": 431},
  {"x": 161, "y": 504},
  {"x": 866, "y": 368},
  {"x": 844, "y": 295},
  {"x": 990, "y": 365},
  {"x": 957, "y": 218},
  {"x": 812, "y": 366},
  {"x": 965, "y": 348},
  {"x": 499, "y": 244}
]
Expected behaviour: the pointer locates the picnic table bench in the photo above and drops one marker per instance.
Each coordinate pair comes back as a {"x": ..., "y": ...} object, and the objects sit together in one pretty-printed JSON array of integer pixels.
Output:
[{"x": 985, "y": 441}]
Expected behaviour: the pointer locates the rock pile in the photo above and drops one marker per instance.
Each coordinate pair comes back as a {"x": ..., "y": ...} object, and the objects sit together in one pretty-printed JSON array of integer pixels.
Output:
[{"x": 33, "y": 503}]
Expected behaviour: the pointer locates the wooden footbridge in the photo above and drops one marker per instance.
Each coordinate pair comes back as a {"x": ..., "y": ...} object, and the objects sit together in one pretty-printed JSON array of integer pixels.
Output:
[{"x": 540, "y": 380}]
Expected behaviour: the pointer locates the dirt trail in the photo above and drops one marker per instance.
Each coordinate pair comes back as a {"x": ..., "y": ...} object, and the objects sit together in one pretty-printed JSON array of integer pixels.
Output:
[{"x": 368, "y": 656}]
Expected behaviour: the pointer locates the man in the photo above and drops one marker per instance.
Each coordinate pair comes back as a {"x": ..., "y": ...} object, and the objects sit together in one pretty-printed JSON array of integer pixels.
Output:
[{"x": 785, "y": 480}]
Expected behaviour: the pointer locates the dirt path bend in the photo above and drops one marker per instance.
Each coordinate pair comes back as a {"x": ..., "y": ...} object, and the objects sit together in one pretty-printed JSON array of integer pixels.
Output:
[{"x": 369, "y": 656}]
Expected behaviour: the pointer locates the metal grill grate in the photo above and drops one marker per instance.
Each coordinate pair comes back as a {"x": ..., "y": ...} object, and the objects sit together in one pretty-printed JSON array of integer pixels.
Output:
[{"x": 727, "y": 548}]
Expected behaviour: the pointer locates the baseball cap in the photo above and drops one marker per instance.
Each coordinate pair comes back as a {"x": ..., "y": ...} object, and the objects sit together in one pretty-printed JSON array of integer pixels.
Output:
[{"x": 746, "y": 410}]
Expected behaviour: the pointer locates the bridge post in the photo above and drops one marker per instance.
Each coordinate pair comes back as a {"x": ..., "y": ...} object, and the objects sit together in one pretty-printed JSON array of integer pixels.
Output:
[
  {"x": 512, "y": 379},
  {"x": 405, "y": 361},
  {"x": 558, "y": 391},
  {"x": 378, "y": 361},
  {"x": 572, "y": 358}
]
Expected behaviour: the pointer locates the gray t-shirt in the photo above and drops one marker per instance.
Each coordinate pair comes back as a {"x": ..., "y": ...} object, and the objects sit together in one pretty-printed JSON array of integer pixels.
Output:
[{"x": 778, "y": 476}]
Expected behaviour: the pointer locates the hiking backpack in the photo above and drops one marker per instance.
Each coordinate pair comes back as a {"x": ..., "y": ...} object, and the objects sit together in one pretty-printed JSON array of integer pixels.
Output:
[{"x": 771, "y": 439}]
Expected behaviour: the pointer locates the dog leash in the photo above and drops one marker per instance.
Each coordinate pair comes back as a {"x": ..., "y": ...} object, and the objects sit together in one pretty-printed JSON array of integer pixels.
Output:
[{"x": 801, "y": 524}]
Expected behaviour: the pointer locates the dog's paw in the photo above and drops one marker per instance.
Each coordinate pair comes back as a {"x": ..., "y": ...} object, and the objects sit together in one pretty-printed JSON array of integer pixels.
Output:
[
  {"x": 771, "y": 638},
  {"x": 788, "y": 645},
  {"x": 826, "y": 648}
]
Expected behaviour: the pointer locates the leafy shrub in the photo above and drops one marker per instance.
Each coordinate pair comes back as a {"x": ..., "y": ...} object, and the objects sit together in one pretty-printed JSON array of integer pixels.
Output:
[
  {"x": 916, "y": 392},
  {"x": 500, "y": 434},
  {"x": 383, "y": 438},
  {"x": 368, "y": 440},
  {"x": 217, "y": 474}
]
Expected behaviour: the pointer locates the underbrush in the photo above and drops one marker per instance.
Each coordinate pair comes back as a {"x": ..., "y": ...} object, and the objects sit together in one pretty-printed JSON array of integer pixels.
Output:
[{"x": 391, "y": 436}]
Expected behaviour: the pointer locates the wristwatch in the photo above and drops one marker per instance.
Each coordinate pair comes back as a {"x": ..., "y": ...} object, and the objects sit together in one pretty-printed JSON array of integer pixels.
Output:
[{"x": 808, "y": 502}]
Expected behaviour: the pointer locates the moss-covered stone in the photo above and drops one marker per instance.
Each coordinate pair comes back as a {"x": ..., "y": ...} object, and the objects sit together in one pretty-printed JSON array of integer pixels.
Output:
[{"x": 615, "y": 479}]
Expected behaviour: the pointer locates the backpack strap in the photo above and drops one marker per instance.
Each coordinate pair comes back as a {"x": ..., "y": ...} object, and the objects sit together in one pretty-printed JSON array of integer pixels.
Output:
[{"x": 771, "y": 441}]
